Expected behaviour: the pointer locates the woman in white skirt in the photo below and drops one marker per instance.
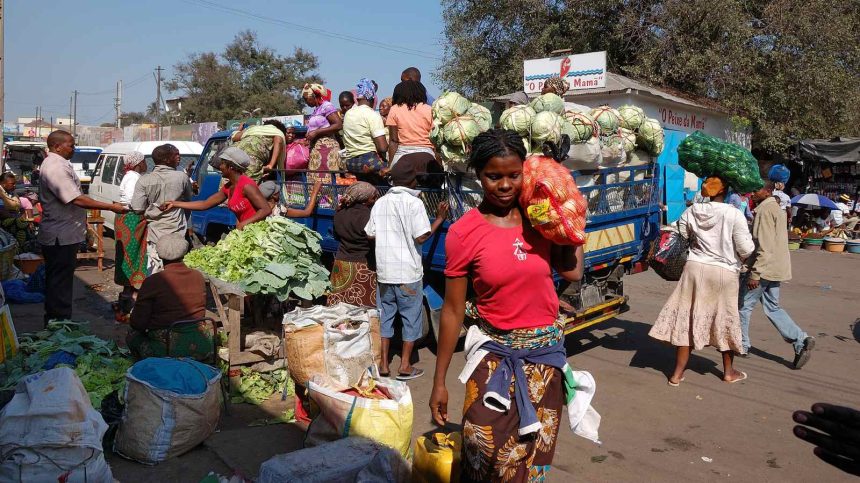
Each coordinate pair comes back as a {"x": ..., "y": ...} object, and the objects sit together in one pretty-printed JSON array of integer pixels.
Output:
[{"x": 703, "y": 309}]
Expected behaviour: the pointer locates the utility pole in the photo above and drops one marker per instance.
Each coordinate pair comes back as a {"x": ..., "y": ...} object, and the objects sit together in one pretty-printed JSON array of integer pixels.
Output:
[
  {"x": 158, "y": 100},
  {"x": 70, "y": 114},
  {"x": 75, "y": 115},
  {"x": 118, "y": 104}
]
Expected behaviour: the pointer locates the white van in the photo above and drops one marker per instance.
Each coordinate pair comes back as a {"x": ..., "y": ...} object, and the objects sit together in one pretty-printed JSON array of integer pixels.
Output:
[{"x": 109, "y": 168}]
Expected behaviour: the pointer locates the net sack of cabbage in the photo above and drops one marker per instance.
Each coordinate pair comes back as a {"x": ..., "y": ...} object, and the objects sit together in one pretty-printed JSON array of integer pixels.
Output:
[
  {"x": 448, "y": 106},
  {"x": 705, "y": 155},
  {"x": 549, "y": 102},
  {"x": 631, "y": 117},
  {"x": 519, "y": 119},
  {"x": 546, "y": 126},
  {"x": 612, "y": 151},
  {"x": 607, "y": 118},
  {"x": 553, "y": 203},
  {"x": 582, "y": 126},
  {"x": 650, "y": 136}
]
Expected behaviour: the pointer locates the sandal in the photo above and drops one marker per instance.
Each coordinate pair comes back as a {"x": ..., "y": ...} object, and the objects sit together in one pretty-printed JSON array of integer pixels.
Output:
[
  {"x": 416, "y": 373},
  {"x": 675, "y": 384},
  {"x": 743, "y": 377}
]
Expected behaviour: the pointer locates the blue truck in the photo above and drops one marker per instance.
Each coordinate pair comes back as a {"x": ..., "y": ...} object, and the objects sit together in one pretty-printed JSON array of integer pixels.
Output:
[{"x": 625, "y": 212}]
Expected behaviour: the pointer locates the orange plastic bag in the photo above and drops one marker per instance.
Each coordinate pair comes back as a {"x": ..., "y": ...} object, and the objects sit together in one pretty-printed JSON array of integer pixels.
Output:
[{"x": 553, "y": 203}]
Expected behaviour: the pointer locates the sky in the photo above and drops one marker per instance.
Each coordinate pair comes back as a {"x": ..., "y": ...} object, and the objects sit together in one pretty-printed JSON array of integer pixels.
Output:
[{"x": 54, "y": 47}]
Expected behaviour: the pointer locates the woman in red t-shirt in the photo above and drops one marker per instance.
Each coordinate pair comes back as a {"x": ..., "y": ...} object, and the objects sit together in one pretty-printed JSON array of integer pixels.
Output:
[
  {"x": 510, "y": 266},
  {"x": 241, "y": 193}
]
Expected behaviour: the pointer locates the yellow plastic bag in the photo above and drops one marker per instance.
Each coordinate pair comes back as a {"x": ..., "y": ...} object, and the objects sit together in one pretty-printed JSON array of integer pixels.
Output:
[
  {"x": 437, "y": 459},
  {"x": 8, "y": 338},
  {"x": 350, "y": 412}
]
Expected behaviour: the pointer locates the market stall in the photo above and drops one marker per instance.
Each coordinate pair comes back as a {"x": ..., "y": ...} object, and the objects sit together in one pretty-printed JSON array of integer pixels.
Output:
[{"x": 831, "y": 166}]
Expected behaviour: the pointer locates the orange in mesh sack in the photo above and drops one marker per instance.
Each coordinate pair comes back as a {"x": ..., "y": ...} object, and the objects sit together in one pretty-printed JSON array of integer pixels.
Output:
[{"x": 553, "y": 203}]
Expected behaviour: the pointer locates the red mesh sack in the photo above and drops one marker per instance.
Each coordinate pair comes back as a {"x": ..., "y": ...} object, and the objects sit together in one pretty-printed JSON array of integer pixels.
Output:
[{"x": 552, "y": 202}]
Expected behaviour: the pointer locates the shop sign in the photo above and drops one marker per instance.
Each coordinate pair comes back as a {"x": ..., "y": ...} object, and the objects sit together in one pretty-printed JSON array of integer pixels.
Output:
[{"x": 582, "y": 71}]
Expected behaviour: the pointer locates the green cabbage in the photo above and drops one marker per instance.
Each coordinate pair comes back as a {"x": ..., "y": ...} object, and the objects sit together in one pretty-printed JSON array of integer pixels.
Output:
[
  {"x": 546, "y": 127},
  {"x": 607, "y": 118},
  {"x": 436, "y": 136},
  {"x": 628, "y": 139},
  {"x": 631, "y": 117},
  {"x": 650, "y": 136},
  {"x": 519, "y": 119},
  {"x": 448, "y": 106},
  {"x": 482, "y": 116},
  {"x": 582, "y": 124},
  {"x": 549, "y": 102},
  {"x": 461, "y": 131}
]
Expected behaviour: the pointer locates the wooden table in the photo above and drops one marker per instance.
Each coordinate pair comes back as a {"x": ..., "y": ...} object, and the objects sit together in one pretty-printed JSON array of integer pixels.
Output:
[
  {"x": 231, "y": 307},
  {"x": 97, "y": 222}
]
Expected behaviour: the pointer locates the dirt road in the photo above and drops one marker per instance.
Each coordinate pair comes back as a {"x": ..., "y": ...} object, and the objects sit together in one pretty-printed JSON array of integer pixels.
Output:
[{"x": 704, "y": 430}]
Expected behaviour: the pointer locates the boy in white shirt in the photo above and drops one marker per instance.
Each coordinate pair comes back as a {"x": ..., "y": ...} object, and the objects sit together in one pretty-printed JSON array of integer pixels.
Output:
[{"x": 399, "y": 224}]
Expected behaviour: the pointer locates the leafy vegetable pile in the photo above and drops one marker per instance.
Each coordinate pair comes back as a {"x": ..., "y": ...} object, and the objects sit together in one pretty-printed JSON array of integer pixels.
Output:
[
  {"x": 257, "y": 387},
  {"x": 100, "y": 364},
  {"x": 275, "y": 256}
]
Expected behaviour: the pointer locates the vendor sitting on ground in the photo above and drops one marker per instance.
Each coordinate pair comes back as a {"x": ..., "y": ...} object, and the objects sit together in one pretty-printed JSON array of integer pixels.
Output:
[
  {"x": 13, "y": 217},
  {"x": 175, "y": 294}
]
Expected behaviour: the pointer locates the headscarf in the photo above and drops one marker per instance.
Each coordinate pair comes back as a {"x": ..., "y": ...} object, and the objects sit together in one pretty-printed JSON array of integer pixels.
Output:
[
  {"x": 713, "y": 186},
  {"x": 171, "y": 247},
  {"x": 131, "y": 160},
  {"x": 359, "y": 192},
  {"x": 558, "y": 85},
  {"x": 365, "y": 89},
  {"x": 317, "y": 90},
  {"x": 519, "y": 98},
  {"x": 268, "y": 188}
]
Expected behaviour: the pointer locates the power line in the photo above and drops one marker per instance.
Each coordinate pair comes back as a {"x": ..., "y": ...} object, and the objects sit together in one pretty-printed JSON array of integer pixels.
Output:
[
  {"x": 318, "y": 31},
  {"x": 112, "y": 90}
]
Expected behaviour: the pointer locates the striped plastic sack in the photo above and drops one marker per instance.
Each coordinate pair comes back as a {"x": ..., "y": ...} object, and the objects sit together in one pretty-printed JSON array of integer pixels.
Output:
[{"x": 553, "y": 203}]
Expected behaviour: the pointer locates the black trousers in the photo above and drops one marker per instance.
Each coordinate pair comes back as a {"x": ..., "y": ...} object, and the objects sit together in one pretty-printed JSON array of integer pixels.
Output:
[{"x": 60, "y": 262}]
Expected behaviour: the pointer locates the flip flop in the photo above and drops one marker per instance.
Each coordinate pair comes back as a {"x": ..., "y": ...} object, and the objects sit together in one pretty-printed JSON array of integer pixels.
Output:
[
  {"x": 675, "y": 384},
  {"x": 384, "y": 374},
  {"x": 416, "y": 373},
  {"x": 743, "y": 377}
]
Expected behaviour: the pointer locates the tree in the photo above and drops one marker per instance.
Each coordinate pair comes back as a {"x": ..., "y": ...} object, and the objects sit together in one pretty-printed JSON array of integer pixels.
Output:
[
  {"x": 244, "y": 77},
  {"x": 789, "y": 66}
]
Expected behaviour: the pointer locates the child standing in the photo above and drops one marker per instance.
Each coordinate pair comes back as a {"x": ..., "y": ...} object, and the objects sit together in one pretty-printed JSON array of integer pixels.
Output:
[{"x": 399, "y": 224}]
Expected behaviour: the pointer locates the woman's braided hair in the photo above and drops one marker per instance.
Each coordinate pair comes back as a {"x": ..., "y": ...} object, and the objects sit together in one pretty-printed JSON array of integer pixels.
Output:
[{"x": 492, "y": 143}]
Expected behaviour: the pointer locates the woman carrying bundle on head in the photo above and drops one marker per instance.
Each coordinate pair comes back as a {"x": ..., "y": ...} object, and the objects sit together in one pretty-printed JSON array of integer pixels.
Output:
[
  {"x": 703, "y": 309},
  {"x": 510, "y": 266}
]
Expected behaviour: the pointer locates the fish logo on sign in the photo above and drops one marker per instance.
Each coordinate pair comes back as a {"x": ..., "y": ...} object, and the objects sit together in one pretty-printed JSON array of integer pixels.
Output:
[{"x": 565, "y": 67}]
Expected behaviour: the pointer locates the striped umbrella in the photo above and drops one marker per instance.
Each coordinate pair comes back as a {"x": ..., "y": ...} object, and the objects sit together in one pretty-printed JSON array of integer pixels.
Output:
[{"x": 812, "y": 199}]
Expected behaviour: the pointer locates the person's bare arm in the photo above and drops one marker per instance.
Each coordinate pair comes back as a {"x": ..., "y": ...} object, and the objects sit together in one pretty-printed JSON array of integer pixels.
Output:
[
  {"x": 393, "y": 142},
  {"x": 381, "y": 146},
  {"x": 258, "y": 201},
  {"x": 88, "y": 203},
  {"x": 335, "y": 125},
  {"x": 453, "y": 313},
  {"x": 277, "y": 149},
  {"x": 310, "y": 206},
  {"x": 567, "y": 261},
  {"x": 441, "y": 215},
  {"x": 211, "y": 202}
]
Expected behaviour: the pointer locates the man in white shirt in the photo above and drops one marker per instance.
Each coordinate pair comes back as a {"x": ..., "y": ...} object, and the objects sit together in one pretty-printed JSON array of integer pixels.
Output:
[
  {"x": 848, "y": 219},
  {"x": 399, "y": 224}
]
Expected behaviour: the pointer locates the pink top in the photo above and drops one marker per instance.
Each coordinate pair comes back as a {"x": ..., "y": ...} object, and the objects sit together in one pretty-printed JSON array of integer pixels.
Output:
[
  {"x": 510, "y": 271},
  {"x": 238, "y": 203},
  {"x": 319, "y": 118},
  {"x": 413, "y": 125}
]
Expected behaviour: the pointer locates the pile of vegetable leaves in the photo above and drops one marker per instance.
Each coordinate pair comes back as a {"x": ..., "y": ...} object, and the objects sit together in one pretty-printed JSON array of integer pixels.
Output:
[
  {"x": 257, "y": 387},
  {"x": 100, "y": 364},
  {"x": 275, "y": 256}
]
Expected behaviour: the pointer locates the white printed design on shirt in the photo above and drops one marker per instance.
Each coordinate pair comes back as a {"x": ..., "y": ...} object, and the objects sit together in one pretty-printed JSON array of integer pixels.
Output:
[{"x": 518, "y": 250}]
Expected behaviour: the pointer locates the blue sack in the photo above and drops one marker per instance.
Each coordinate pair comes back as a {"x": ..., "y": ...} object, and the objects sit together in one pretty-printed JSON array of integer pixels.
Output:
[
  {"x": 778, "y": 173},
  {"x": 184, "y": 376},
  {"x": 16, "y": 293},
  {"x": 36, "y": 283}
]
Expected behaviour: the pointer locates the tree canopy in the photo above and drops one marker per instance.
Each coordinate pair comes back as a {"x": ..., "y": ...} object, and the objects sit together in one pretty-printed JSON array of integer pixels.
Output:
[
  {"x": 245, "y": 77},
  {"x": 791, "y": 67}
]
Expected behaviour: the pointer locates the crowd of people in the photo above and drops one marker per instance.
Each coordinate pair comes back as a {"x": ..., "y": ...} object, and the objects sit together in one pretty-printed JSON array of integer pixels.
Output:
[{"x": 521, "y": 365}]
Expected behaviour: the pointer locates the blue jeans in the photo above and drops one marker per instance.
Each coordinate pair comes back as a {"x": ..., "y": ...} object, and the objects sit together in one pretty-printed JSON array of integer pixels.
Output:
[
  {"x": 768, "y": 293},
  {"x": 406, "y": 298}
]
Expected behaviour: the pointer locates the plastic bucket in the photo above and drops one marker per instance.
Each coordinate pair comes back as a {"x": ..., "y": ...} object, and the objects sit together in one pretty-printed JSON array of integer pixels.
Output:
[
  {"x": 812, "y": 243},
  {"x": 794, "y": 244},
  {"x": 852, "y": 246},
  {"x": 835, "y": 245}
]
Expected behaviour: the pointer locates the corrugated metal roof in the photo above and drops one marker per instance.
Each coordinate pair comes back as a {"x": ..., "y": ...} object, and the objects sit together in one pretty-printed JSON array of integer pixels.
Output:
[{"x": 617, "y": 83}]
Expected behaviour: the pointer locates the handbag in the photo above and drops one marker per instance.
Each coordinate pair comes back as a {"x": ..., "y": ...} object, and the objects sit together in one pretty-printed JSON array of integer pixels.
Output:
[{"x": 669, "y": 255}]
